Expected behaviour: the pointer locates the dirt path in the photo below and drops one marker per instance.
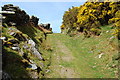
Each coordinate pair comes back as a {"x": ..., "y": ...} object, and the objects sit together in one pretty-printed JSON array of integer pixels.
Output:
[
  {"x": 66, "y": 57},
  {"x": 61, "y": 58},
  {"x": 66, "y": 52}
]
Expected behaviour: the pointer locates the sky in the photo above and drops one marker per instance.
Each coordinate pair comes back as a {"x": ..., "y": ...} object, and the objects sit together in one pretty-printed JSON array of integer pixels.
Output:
[{"x": 47, "y": 12}]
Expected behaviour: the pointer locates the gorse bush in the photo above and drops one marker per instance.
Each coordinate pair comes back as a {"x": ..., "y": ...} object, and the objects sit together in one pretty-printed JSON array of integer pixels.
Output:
[
  {"x": 91, "y": 15},
  {"x": 70, "y": 17}
]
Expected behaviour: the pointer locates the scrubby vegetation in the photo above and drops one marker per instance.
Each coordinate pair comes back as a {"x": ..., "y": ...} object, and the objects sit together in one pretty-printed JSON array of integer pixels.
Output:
[{"x": 89, "y": 18}]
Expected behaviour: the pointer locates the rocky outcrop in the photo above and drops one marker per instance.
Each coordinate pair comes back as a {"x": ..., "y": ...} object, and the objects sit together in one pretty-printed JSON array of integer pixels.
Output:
[
  {"x": 34, "y": 20},
  {"x": 22, "y": 37},
  {"x": 13, "y": 14},
  {"x": 46, "y": 26},
  {"x": 25, "y": 47}
]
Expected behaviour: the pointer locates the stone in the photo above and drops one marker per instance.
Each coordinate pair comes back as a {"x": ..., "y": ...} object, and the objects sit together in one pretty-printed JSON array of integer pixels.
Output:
[
  {"x": 99, "y": 56},
  {"x": 18, "y": 16},
  {"x": 93, "y": 66},
  {"x": 31, "y": 61},
  {"x": 31, "y": 42},
  {"x": 46, "y": 26},
  {"x": 25, "y": 46},
  {"x": 36, "y": 53},
  {"x": 12, "y": 33},
  {"x": 15, "y": 48},
  {"x": 107, "y": 31},
  {"x": 33, "y": 50},
  {"x": 47, "y": 71},
  {"x": 112, "y": 37},
  {"x": 4, "y": 38},
  {"x": 32, "y": 66},
  {"x": 15, "y": 45},
  {"x": 34, "y": 20},
  {"x": 7, "y": 12}
]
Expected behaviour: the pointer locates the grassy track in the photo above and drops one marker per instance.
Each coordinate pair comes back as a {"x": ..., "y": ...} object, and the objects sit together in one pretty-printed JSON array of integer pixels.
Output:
[{"x": 76, "y": 57}]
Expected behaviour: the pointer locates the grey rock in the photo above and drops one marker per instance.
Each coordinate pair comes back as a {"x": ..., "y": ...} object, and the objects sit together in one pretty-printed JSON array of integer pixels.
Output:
[
  {"x": 31, "y": 61},
  {"x": 33, "y": 50},
  {"x": 12, "y": 33},
  {"x": 15, "y": 45},
  {"x": 31, "y": 42},
  {"x": 36, "y": 53},
  {"x": 16, "y": 48},
  {"x": 47, "y": 71},
  {"x": 7, "y": 12},
  {"x": 25, "y": 46},
  {"x": 3, "y": 38},
  {"x": 112, "y": 37},
  {"x": 32, "y": 66}
]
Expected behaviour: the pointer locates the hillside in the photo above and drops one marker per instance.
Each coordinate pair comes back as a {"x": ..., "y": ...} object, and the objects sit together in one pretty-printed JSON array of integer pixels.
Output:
[
  {"x": 87, "y": 46},
  {"x": 23, "y": 41}
]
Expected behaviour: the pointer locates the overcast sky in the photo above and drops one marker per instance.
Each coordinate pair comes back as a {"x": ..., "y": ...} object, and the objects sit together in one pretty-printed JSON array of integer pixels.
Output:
[{"x": 48, "y": 12}]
